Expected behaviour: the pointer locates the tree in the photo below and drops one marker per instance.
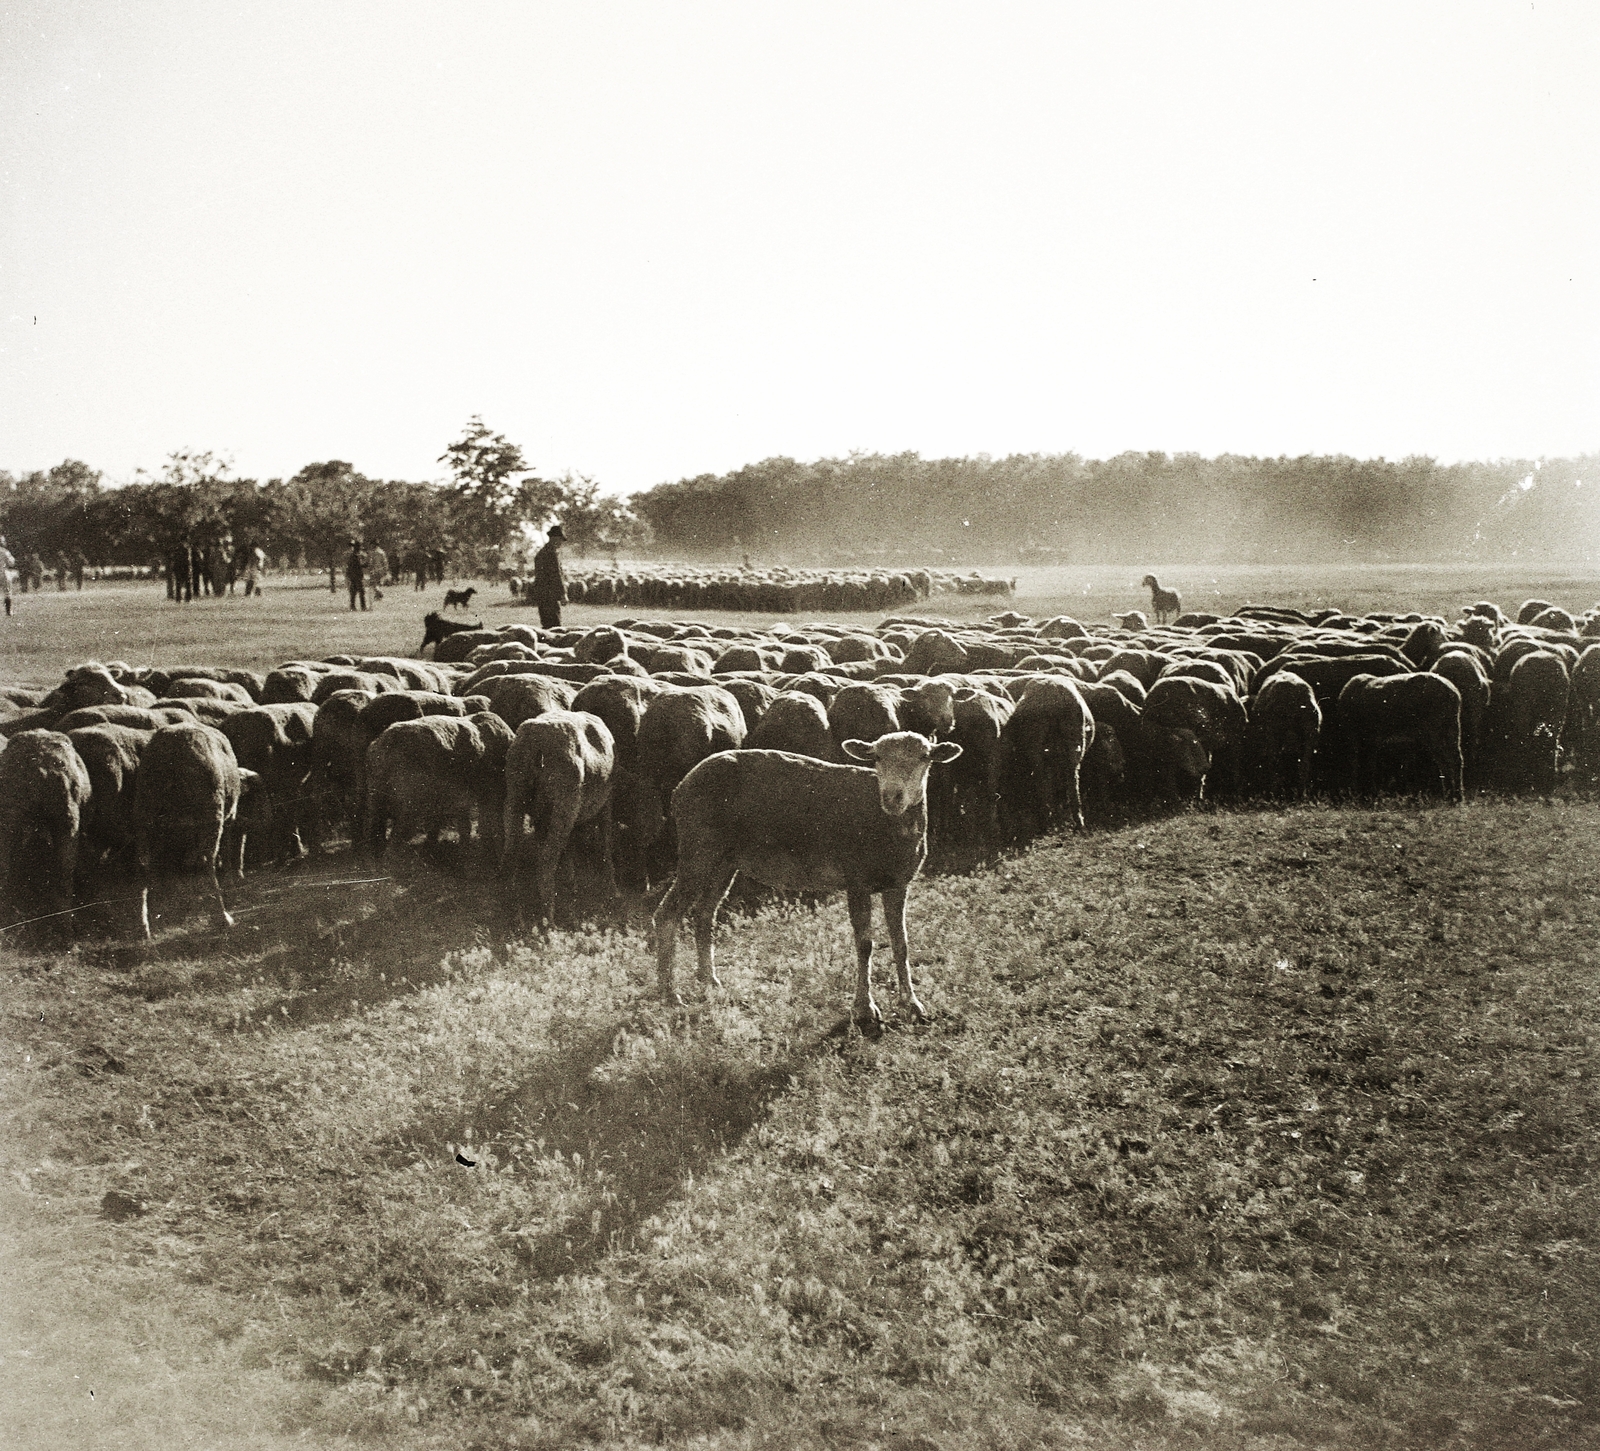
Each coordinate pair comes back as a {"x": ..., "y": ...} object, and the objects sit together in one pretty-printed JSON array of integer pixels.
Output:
[
  {"x": 592, "y": 520},
  {"x": 493, "y": 490}
]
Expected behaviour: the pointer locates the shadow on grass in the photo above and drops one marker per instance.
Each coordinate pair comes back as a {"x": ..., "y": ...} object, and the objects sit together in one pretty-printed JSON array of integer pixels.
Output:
[
  {"x": 328, "y": 937},
  {"x": 635, "y": 1133}
]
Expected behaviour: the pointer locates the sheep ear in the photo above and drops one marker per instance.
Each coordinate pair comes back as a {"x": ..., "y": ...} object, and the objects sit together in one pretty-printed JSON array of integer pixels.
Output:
[
  {"x": 860, "y": 750},
  {"x": 945, "y": 752}
]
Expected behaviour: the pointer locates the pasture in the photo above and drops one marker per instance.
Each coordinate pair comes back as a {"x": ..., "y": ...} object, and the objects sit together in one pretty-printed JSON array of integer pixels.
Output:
[
  {"x": 1258, "y": 1128},
  {"x": 298, "y": 616}
]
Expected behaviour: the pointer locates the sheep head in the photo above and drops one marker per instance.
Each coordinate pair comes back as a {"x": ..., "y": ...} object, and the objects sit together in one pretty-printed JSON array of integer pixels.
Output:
[{"x": 902, "y": 760}]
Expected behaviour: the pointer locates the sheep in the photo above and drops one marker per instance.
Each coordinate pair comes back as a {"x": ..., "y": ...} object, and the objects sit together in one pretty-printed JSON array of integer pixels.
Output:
[
  {"x": 1042, "y": 747},
  {"x": 187, "y": 795},
  {"x": 1165, "y": 602},
  {"x": 1421, "y": 711},
  {"x": 110, "y": 754},
  {"x": 559, "y": 771},
  {"x": 275, "y": 741},
  {"x": 1213, "y": 716},
  {"x": 45, "y": 794},
  {"x": 681, "y": 727},
  {"x": 1581, "y": 734},
  {"x": 1466, "y": 671},
  {"x": 621, "y": 701},
  {"x": 964, "y": 802},
  {"x": 863, "y": 712},
  {"x": 793, "y": 822},
  {"x": 1281, "y": 737},
  {"x": 1133, "y": 620},
  {"x": 425, "y": 774},
  {"x": 517, "y": 698},
  {"x": 1530, "y": 709},
  {"x": 795, "y": 722}
]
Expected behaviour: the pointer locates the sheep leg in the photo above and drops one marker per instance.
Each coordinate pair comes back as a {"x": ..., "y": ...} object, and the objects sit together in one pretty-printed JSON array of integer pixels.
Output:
[
  {"x": 223, "y": 915},
  {"x": 860, "y": 903},
  {"x": 666, "y": 921},
  {"x": 552, "y": 844},
  {"x": 608, "y": 873},
  {"x": 705, "y": 922},
  {"x": 1074, "y": 796},
  {"x": 894, "y": 911}
]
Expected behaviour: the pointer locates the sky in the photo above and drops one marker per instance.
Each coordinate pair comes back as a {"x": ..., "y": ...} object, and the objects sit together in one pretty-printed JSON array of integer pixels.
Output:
[{"x": 648, "y": 241}]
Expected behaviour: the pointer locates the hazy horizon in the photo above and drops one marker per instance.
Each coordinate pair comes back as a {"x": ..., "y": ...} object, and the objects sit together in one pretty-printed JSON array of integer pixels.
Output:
[{"x": 649, "y": 243}]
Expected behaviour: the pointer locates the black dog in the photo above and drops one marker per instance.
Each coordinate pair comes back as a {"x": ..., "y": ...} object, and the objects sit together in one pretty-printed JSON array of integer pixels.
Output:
[
  {"x": 461, "y": 597},
  {"x": 436, "y": 628}
]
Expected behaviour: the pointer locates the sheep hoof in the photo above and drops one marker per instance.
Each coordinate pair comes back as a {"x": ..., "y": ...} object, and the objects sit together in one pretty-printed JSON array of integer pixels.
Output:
[
  {"x": 227, "y": 919},
  {"x": 868, "y": 1014},
  {"x": 918, "y": 1009}
]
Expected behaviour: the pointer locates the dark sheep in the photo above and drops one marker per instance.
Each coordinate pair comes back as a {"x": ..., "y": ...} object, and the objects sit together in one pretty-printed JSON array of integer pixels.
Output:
[
  {"x": 188, "y": 793},
  {"x": 1214, "y": 717},
  {"x": 1285, "y": 724},
  {"x": 1464, "y": 670},
  {"x": 558, "y": 772},
  {"x": 424, "y": 775},
  {"x": 110, "y": 754},
  {"x": 275, "y": 741},
  {"x": 45, "y": 793},
  {"x": 621, "y": 701},
  {"x": 801, "y": 824},
  {"x": 797, "y": 723},
  {"x": 516, "y": 698},
  {"x": 754, "y": 697},
  {"x": 863, "y": 712},
  {"x": 1528, "y": 714},
  {"x": 1042, "y": 747},
  {"x": 1419, "y": 712},
  {"x": 964, "y": 801}
]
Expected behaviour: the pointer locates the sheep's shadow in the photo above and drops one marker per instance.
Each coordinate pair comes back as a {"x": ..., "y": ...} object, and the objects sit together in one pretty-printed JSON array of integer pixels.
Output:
[
  {"x": 635, "y": 1134},
  {"x": 324, "y": 941}
]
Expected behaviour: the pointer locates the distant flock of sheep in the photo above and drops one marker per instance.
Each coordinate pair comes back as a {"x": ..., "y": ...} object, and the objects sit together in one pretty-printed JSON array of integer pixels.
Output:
[
  {"x": 826, "y": 757},
  {"x": 764, "y": 591}
]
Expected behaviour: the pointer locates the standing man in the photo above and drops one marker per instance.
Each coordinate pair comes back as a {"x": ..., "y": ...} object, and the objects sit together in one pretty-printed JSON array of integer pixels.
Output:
[
  {"x": 380, "y": 571},
  {"x": 8, "y": 562},
  {"x": 549, "y": 584},
  {"x": 355, "y": 574}
]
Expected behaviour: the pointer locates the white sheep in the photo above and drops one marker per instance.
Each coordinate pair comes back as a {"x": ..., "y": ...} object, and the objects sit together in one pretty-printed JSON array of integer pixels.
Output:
[
  {"x": 1164, "y": 602},
  {"x": 806, "y": 825}
]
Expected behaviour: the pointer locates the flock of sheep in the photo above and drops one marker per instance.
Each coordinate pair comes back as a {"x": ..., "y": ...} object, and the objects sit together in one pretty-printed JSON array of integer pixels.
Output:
[
  {"x": 775, "y": 591},
  {"x": 827, "y": 757}
]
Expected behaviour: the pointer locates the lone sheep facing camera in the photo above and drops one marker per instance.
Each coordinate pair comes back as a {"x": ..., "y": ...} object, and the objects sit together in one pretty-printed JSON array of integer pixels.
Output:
[{"x": 806, "y": 825}]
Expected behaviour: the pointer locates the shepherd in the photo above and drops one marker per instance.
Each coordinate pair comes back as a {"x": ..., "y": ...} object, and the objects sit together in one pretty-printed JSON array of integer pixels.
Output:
[{"x": 549, "y": 584}]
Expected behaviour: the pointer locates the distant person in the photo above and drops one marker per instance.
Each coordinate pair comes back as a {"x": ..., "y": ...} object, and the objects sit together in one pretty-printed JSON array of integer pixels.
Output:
[
  {"x": 380, "y": 571},
  {"x": 419, "y": 567},
  {"x": 549, "y": 584},
  {"x": 355, "y": 574},
  {"x": 80, "y": 563},
  {"x": 63, "y": 569},
  {"x": 33, "y": 574},
  {"x": 8, "y": 562},
  {"x": 437, "y": 559},
  {"x": 255, "y": 561}
]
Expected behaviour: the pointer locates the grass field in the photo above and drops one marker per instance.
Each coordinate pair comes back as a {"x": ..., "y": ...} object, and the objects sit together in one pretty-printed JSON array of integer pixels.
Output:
[
  {"x": 298, "y": 617},
  {"x": 1256, "y": 1129}
]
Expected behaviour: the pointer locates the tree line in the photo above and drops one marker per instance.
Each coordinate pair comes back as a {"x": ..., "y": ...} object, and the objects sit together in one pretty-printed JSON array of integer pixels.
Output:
[
  {"x": 1136, "y": 508},
  {"x": 479, "y": 515}
]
